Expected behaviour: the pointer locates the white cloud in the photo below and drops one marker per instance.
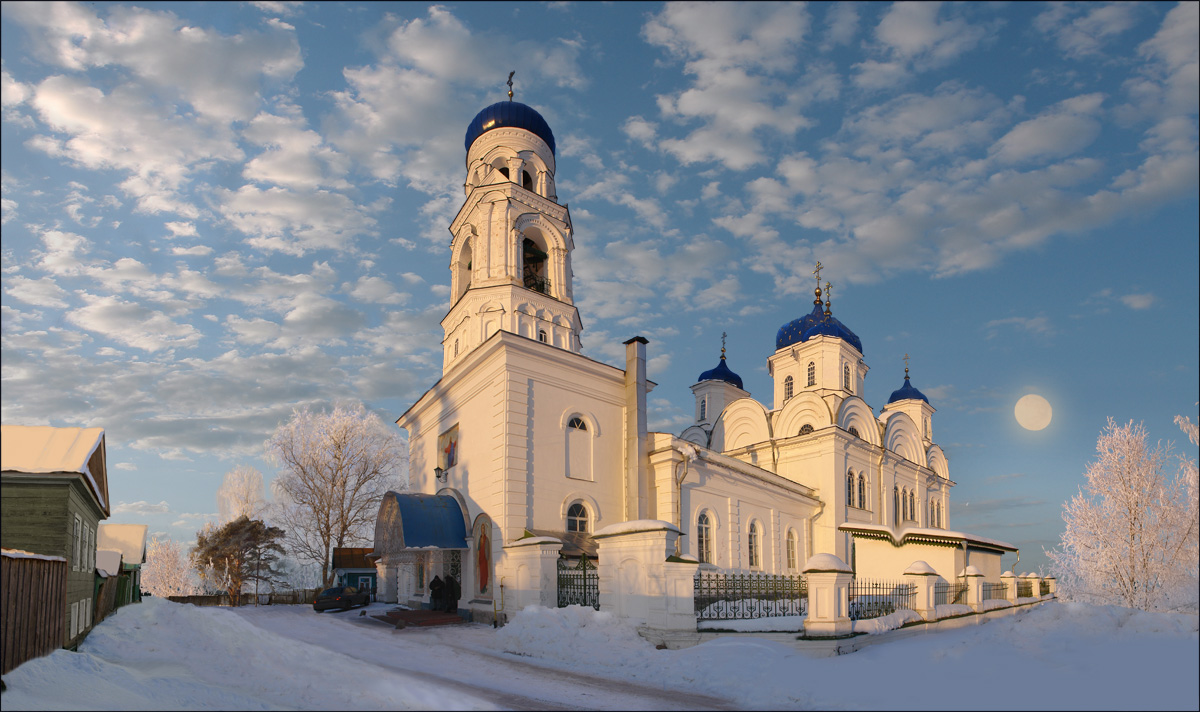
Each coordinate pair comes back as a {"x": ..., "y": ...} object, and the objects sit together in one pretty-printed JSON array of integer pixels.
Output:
[
  {"x": 375, "y": 290},
  {"x": 196, "y": 251},
  {"x": 1064, "y": 129},
  {"x": 1082, "y": 29},
  {"x": 141, "y": 507},
  {"x": 1138, "y": 301},
  {"x": 39, "y": 292},
  {"x": 841, "y": 25},
  {"x": 294, "y": 222},
  {"x": 182, "y": 229},
  {"x": 132, "y": 324},
  {"x": 12, "y": 92},
  {"x": 1034, "y": 325},
  {"x": 296, "y": 157},
  {"x": 913, "y": 37}
]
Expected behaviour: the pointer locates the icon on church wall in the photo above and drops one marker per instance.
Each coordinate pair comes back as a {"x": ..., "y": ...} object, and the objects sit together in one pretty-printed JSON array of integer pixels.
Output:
[{"x": 448, "y": 447}]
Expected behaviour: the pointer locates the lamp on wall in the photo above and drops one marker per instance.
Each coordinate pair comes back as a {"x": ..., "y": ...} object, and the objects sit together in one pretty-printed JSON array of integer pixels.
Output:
[{"x": 440, "y": 474}]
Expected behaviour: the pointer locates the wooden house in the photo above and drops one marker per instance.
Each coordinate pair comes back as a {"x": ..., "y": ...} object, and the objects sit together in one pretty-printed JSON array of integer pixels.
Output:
[
  {"x": 53, "y": 494},
  {"x": 351, "y": 567},
  {"x": 130, "y": 541}
]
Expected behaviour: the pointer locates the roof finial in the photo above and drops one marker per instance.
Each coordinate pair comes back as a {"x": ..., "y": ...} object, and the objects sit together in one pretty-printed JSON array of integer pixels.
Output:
[
  {"x": 817, "y": 272},
  {"x": 510, "y": 76},
  {"x": 828, "y": 298},
  {"x": 906, "y": 367},
  {"x": 723, "y": 335}
]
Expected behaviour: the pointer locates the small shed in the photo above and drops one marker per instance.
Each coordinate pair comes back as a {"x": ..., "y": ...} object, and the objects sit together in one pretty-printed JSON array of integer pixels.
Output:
[{"x": 351, "y": 567}]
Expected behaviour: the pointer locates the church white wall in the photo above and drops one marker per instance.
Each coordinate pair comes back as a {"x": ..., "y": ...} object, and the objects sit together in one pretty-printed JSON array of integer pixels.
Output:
[{"x": 880, "y": 559}]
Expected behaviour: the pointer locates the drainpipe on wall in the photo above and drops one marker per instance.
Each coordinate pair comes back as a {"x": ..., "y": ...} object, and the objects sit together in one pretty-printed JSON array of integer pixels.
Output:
[
  {"x": 688, "y": 453},
  {"x": 636, "y": 459}
]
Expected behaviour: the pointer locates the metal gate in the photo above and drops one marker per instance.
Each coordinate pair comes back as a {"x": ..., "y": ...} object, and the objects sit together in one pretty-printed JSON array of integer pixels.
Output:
[{"x": 578, "y": 583}]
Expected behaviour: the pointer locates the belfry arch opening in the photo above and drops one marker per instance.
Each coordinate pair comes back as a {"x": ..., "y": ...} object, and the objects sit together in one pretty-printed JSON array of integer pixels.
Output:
[
  {"x": 535, "y": 262},
  {"x": 527, "y": 181},
  {"x": 464, "y": 269}
]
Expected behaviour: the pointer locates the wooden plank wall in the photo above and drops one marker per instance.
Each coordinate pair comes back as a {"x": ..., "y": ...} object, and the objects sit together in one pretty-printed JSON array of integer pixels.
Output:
[
  {"x": 106, "y": 599},
  {"x": 31, "y": 609}
]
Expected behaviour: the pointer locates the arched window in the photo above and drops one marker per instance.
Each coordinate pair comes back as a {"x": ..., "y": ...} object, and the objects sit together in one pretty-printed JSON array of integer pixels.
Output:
[
  {"x": 846, "y": 376},
  {"x": 912, "y": 505},
  {"x": 504, "y": 172},
  {"x": 854, "y": 431},
  {"x": 791, "y": 549},
  {"x": 577, "y": 423},
  {"x": 850, "y": 489},
  {"x": 896, "y": 504},
  {"x": 787, "y": 388},
  {"x": 542, "y": 335},
  {"x": 704, "y": 538},
  {"x": 753, "y": 539},
  {"x": 578, "y": 449},
  {"x": 527, "y": 181},
  {"x": 806, "y": 429},
  {"x": 577, "y": 518},
  {"x": 862, "y": 491},
  {"x": 456, "y": 347},
  {"x": 703, "y": 407},
  {"x": 932, "y": 519},
  {"x": 812, "y": 373},
  {"x": 938, "y": 523},
  {"x": 904, "y": 504}
]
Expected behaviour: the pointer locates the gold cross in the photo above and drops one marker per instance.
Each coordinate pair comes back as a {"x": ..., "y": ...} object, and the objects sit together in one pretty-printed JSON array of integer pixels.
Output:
[
  {"x": 906, "y": 365},
  {"x": 828, "y": 296},
  {"x": 510, "y": 76},
  {"x": 723, "y": 335},
  {"x": 817, "y": 272}
]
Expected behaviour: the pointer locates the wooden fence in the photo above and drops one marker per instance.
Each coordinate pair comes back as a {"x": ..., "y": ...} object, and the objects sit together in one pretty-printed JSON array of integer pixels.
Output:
[
  {"x": 276, "y": 598},
  {"x": 33, "y": 606},
  {"x": 106, "y": 597}
]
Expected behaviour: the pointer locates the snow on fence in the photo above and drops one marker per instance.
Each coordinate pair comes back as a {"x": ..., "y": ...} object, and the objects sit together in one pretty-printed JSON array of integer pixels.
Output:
[
  {"x": 33, "y": 607},
  {"x": 728, "y": 595},
  {"x": 946, "y": 593},
  {"x": 875, "y": 599}
]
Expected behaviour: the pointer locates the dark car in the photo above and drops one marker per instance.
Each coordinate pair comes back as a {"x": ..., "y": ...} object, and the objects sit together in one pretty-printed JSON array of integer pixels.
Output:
[{"x": 342, "y": 597}]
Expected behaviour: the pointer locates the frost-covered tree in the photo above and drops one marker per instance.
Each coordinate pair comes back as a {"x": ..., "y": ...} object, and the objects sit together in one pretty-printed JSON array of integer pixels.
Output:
[
  {"x": 335, "y": 469},
  {"x": 239, "y": 553},
  {"x": 240, "y": 493},
  {"x": 1132, "y": 530},
  {"x": 167, "y": 571}
]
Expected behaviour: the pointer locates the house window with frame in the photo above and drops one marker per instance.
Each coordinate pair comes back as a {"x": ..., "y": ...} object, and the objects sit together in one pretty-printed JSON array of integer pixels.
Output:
[
  {"x": 577, "y": 518},
  {"x": 753, "y": 538},
  {"x": 791, "y": 549},
  {"x": 812, "y": 373},
  {"x": 77, "y": 543},
  {"x": 788, "y": 385},
  {"x": 862, "y": 491},
  {"x": 704, "y": 538}
]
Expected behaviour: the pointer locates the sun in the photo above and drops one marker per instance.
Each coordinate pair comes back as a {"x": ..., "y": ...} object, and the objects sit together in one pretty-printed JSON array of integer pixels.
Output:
[{"x": 1033, "y": 412}]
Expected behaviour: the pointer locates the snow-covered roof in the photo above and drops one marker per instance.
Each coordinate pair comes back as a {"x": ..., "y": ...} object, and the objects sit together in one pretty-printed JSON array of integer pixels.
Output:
[
  {"x": 636, "y": 525},
  {"x": 18, "y": 554},
  {"x": 920, "y": 568},
  {"x": 926, "y": 533},
  {"x": 43, "y": 449},
  {"x": 128, "y": 539},
  {"x": 826, "y": 562},
  {"x": 108, "y": 560}
]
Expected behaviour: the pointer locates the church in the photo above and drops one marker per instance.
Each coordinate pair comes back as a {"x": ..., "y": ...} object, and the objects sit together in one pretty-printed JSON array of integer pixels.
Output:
[{"x": 524, "y": 437}]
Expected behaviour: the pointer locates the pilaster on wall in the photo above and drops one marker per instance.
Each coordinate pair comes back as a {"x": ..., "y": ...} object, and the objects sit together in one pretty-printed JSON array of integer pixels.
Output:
[{"x": 518, "y": 424}]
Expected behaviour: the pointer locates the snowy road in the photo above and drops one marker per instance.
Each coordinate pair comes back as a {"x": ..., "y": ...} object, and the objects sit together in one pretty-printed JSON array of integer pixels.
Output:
[{"x": 456, "y": 658}]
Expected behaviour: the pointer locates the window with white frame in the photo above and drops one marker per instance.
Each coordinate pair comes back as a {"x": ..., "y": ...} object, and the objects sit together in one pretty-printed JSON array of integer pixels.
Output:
[
  {"x": 812, "y": 373},
  {"x": 77, "y": 543},
  {"x": 579, "y": 449},
  {"x": 577, "y": 518},
  {"x": 754, "y": 539},
  {"x": 542, "y": 335},
  {"x": 787, "y": 389},
  {"x": 791, "y": 549},
  {"x": 704, "y": 538},
  {"x": 850, "y": 488},
  {"x": 703, "y": 407}
]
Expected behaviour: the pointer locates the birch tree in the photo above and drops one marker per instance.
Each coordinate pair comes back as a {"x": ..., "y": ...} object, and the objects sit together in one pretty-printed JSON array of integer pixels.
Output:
[
  {"x": 336, "y": 467},
  {"x": 240, "y": 493},
  {"x": 1132, "y": 530},
  {"x": 166, "y": 571}
]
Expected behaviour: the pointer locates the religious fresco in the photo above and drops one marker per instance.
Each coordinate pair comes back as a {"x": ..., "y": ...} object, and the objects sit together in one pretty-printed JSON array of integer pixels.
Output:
[{"x": 448, "y": 448}]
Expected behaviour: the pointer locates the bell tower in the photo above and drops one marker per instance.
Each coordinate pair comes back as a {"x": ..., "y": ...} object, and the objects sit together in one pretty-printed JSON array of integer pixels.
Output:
[{"x": 510, "y": 251}]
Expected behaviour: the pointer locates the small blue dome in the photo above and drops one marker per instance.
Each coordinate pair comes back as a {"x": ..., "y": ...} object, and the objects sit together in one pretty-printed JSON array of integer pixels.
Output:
[
  {"x": 813, "y": 324},
  {"x": 722, "y": 373},
  {"x": 907, "y": 392},
  {"x": 511, "y": 114}
]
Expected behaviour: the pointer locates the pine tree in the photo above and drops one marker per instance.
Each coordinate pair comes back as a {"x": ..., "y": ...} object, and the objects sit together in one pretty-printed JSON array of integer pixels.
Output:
[{"x": 238, "y": 553}]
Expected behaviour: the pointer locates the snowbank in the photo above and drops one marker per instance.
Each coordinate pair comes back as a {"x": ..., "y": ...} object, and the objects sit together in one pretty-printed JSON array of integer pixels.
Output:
[
  {"x": 575, "y": 634},
  {"x": 781, "y": 624},
  {"x": 892, "y": 621},
  {"x": 949, "y": 610}
]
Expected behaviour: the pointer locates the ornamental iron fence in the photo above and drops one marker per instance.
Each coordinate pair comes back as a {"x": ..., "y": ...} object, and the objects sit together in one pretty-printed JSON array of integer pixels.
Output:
[
  {"x": 945, "y": 593},
  {"x": 1044, "y": 587},
  {"x": 875, "y": 599},
  {"x": 1024, "y": 589},
  {"x": 727, "y": 595},
  {"x": 995, "y": 591},
  {"x": 578, "y": 583}
]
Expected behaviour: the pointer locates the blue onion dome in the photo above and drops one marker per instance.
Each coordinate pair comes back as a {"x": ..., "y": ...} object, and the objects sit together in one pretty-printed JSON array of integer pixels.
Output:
[
  {"x": 906, "y": 392},
  {"x": 512, "y": 114},
  {"x": 815, "y": 323},
  {"x": 722, "y": 373}
]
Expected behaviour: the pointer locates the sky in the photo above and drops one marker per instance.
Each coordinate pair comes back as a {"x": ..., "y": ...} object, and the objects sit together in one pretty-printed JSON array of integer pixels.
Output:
[{"x": 214, "y": 213}]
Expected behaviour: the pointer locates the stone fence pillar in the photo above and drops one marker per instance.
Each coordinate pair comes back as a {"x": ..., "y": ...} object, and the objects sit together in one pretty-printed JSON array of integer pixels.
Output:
[
  {"x": 974, "y": 578},
  {"x": 638, "y": 583},
  {"x": 828, "y": 597},
  {"x": 534, "y": 561},
  {"x": 1009, "y": 579},
  {"x": 923, "y": 575}
]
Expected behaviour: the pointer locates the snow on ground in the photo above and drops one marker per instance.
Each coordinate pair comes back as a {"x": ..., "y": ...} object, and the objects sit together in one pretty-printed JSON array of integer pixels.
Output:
[
  {"x": 161, "y": 655},
  {"x": 882, "y": 624}
]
